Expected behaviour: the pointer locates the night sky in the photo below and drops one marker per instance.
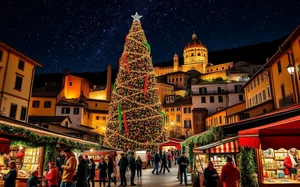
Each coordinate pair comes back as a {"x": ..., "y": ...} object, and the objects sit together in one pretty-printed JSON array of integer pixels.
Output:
[{"x": 86, "y": 35}]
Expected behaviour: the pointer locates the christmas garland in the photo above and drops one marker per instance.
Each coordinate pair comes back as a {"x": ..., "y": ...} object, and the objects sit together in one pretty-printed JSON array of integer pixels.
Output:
[
  {"x": 50, "y": 155},
  {"x": 37, "y": 139},
  {"x": 246, "y": 166},
  {"x": 213, "y": 134}
]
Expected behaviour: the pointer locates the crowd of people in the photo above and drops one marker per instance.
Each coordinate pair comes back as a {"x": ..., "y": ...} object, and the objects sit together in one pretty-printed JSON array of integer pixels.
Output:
[{"x": 69, "y": 172}]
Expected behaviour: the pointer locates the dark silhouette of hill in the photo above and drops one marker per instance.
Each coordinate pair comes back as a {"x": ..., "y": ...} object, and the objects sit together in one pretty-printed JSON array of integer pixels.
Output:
[{"x": 255, "y": 54}]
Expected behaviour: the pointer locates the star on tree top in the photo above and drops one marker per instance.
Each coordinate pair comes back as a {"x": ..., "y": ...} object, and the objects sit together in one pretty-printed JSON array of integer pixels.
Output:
[{"x": 136, "y": 17}]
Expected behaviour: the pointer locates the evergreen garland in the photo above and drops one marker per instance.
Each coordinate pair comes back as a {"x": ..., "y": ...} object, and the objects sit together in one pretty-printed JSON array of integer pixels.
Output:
[
  {"x": 246, "y": 165},
  {"x": 50, "y": 155},
  {"x": 207, "y": 137},
  {"x": 37, "y": 139}
]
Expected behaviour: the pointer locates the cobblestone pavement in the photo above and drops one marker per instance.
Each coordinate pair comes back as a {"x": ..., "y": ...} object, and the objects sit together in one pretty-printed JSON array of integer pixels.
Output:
[{"x": 162, "y": 180}]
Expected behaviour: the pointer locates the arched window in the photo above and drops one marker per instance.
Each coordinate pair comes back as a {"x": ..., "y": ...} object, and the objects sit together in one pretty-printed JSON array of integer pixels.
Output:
[
  {"x": 186, "y": 56},
  {"x": 217, "y": 69},
  {"x": 198, "y": 54},
  {"x": 192, "y": 54},
  {"x": 204, "y": 55}
]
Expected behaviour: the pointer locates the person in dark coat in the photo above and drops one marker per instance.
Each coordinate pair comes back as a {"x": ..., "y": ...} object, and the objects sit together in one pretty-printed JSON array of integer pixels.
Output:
[
  {"x": 82, "y": 172},
  {"x": 164, "y": 163},
  {"x": 86, "y": 158},
  {"x": 110, "y": 170},
  {"x": 62, "y": 159},
  {"x": 183, "y": 163},
  {"x": 132, "y": 167},
  {"x": 139, "y": 165},
  {"x": 92, "y": 167},
  {"x": 123, "y": 164},
  {"x": 102, "y": 167},
  {"x": 211, "y": 175},
  {"x": 156, "y": 163},
  {"x": 11, "y": 176},
  {"x": 33, "y": 181}
]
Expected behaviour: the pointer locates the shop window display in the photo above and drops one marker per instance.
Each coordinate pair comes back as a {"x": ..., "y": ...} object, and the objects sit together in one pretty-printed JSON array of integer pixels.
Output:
[{"x": 274, "y": 168}]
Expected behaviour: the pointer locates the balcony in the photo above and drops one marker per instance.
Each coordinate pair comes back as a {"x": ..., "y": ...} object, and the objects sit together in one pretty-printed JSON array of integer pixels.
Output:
[{"x": 286, "y": 101}]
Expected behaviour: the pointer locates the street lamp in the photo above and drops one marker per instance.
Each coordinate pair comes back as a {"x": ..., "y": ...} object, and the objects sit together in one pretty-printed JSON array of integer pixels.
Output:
[
  {"x": 172, "y": 123},
  {"x": 291, "y": 69}
]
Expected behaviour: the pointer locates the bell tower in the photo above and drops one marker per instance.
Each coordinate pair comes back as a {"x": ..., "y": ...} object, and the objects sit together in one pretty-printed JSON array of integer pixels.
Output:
[{"x": 175, "y": 62}]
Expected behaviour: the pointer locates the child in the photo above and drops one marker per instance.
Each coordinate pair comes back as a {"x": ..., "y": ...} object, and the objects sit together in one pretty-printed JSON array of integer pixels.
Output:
[{"x": 33, "y": 181}]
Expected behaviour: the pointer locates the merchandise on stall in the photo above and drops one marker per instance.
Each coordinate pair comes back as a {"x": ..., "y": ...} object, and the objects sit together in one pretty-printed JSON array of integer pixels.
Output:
[{"x": 217, "y": 153}]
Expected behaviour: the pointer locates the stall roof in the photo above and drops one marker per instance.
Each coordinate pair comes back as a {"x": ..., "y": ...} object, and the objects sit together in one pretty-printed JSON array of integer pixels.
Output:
[
  {"x": 40, "y": 130},
  {"x": 228, "y": 145},
  {"x": 280, "y": 134}
]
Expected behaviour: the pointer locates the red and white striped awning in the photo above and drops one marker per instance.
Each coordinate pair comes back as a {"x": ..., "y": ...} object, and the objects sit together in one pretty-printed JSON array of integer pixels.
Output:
[{"x": 229, "y": 145}]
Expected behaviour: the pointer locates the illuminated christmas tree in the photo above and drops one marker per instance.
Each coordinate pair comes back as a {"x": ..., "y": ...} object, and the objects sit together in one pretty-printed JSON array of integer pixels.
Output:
[{"x": 136, "y": 120}]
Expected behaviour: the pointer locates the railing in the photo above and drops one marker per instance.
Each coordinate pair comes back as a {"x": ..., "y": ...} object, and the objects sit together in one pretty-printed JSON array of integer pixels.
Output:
[
  {"x": 287, "y": 100},
  {"x": 217, "y": 92}
]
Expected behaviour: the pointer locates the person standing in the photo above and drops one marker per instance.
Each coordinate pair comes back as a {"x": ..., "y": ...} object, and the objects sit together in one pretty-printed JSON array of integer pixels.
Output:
[
  {"x": 52, "y": 175},
  {"x": 110, "y": 170},
  {"x": 156, "y": 163},
  {"x": 11, "y": 176},
  {"x": 132, "y": 167},
  {"x": 86, "y": 158},
  {"x": 123, "y": 164},
  {"x": 230, "y": 174},
  {"x": 149, "y": 156},
  {"x": 62, "y": 160},
  {"x": 92, "y": 173},
  {"x": 139, "y": 165},
  {"x": 82, "y": 172},
  {"x": 176, "y": 155},
  {"x": 211, "y": 175},
  {"x": 291, "y": 163},
  {"x": 69, "y": 169},
  {"x": 33, "y": 181},
  {"x": 183, "y": 162},
  {"x": 102, "y": 167},
  {"x": 170, "y": 158},
  {"x": 57, "y": 162},
  {"x": 164, "y": 163}
]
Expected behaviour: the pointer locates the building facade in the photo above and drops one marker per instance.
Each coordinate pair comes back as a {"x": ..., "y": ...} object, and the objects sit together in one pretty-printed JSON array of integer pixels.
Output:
[{"x": 16, "y": 82}]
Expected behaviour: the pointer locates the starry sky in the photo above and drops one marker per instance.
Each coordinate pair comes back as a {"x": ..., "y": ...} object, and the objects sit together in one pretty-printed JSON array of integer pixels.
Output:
[{"x": 86, "y": 35}]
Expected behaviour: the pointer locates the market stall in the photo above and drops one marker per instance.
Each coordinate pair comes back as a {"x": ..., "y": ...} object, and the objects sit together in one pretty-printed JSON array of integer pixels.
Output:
[
  {"x": 171, "y": 144},
  {"x": 272, "y": 143},
  {"x": 98, "y": 154},
  {"x": 143, "y": 155},
  {"x": 217, "y": 153}
]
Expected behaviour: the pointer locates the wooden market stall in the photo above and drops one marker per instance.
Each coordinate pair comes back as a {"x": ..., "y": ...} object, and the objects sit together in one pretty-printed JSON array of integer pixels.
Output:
[
  {"x": 25, "y": 144},
  {"x": 217, "y": 153},
  {"x": 170, "y": 144},
  {"x": 272, "y": 143}
]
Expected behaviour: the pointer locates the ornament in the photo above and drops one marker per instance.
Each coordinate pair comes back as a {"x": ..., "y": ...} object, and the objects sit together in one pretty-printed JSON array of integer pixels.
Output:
[{"x": 125, "y": 123}]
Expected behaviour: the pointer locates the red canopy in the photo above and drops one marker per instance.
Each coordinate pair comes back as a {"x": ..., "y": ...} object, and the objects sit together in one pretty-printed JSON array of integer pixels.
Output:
[
  {"x": 4, "y": 145},
  {"x": 172, "y": 142},
  {"x": 280, "y": 134}
]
